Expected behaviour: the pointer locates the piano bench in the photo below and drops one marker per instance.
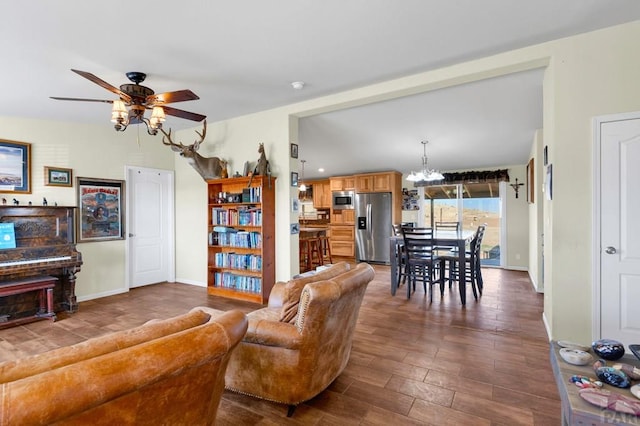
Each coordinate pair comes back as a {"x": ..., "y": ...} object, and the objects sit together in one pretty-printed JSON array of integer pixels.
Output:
[{"x": 42, "y": 283}]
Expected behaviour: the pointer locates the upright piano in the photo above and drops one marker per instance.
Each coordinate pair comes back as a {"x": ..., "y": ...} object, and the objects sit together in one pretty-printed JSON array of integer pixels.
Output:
[{"x": 44, "y": 247}]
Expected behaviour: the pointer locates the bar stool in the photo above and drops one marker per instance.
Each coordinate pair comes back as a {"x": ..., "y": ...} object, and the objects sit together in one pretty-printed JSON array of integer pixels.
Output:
[
  {"x": 325, "y": 249},
  {"x": 310, "y": 256}
]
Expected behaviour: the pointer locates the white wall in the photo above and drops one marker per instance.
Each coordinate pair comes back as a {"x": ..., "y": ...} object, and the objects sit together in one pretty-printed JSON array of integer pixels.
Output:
[
  {"x": 587, "y": 75},
  {"x": 90, "y": 151}
]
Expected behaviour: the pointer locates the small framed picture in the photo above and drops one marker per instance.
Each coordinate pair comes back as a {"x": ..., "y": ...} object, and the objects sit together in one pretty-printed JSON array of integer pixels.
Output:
[
  {"x": 549, "y": 183},
  {"x": 294, "y": 178},
  {"x": 545, "y": 156},
  {"x": 294, "y": 150},
  {"x": 57, "y": 176},
  {"x": 295, "y": 205}
]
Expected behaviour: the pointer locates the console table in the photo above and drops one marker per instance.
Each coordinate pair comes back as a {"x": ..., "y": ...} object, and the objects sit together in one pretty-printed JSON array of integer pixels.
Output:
[{"x": 577, "y": 411}]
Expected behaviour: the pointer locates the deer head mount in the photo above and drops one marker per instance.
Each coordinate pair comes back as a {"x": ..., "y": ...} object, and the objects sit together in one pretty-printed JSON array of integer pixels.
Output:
[{"x": 207, "y": 167}]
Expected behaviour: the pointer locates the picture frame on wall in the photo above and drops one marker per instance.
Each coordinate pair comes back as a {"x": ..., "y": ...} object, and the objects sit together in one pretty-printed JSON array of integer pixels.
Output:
[
  {"x": 530, "y": 180},
  {"x": 294, "y": 150},
  {"x": 101, "y": 209},
  {"x": 549, "y": 183},
  {"x": 58, "y": 176},
  {"x": 294, "y": 178},
  {"x": 15, "y": 167}
]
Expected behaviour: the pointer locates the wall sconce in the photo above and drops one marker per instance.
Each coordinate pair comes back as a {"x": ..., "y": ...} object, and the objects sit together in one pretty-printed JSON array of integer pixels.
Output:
[{"x": 516, "y": 186}]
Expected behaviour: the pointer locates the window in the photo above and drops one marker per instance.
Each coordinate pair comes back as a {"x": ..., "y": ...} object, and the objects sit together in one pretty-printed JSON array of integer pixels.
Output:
[{"x": 472, "y": 204}]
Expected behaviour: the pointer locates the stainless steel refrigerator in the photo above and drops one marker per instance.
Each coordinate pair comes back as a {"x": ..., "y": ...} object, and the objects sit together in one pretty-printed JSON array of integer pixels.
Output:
[{"x": 373, "y": 227}]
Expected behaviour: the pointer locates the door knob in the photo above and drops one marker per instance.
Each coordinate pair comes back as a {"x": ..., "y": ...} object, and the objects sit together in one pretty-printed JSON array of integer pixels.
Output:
[
  {"x": 133, "y": 235},
  {"x": 610, "y": 250}
]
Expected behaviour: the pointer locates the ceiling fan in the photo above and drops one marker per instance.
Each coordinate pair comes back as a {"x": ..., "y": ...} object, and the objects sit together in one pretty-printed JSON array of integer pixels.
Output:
[{"x": 140, "y": 98}]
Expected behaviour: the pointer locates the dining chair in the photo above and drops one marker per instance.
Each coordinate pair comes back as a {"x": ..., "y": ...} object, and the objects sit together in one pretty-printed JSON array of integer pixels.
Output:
[
  {"x": 473, "y": 271},
  {"x": 446, "y": 252},
  {"x": 447, "y": 226},
  {"x": 401, "y": 275},
  {"x": 420, "y": 262}
]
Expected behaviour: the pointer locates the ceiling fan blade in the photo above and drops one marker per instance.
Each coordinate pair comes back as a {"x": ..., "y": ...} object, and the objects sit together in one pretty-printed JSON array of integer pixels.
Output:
[
  {"x": 171, "y": 97},
  {"x": 80, "y": 99},
  {"x": 183, "y": 114},
  {"x": 104, "y": 84}
]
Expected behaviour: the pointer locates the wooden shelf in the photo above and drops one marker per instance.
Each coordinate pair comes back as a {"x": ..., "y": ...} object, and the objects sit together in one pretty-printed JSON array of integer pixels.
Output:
[{"x": 241, "y": 282}]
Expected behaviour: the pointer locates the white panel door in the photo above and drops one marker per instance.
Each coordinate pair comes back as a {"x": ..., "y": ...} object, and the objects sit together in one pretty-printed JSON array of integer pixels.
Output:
[
  {"x": 150, "y": 235},
  {"x": 620, "y": 228}
]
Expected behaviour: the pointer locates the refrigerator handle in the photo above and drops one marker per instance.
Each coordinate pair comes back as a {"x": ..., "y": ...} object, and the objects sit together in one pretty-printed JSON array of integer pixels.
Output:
[{"x": 369, "y": 215}]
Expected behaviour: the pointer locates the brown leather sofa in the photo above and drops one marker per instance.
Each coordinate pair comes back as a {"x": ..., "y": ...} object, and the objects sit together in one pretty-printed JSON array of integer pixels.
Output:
[
  {"x": 163, "y": 372},
  {"x": 297, "y": 345}
]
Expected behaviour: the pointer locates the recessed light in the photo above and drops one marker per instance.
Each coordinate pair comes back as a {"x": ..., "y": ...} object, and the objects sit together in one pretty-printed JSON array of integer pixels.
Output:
[
  {"x": 321, "y": 170},
  {"x": 298, "y": 85}
]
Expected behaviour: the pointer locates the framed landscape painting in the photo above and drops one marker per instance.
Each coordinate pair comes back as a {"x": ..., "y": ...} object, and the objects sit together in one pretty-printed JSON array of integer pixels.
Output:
[
  {"x": 57, "y": 176},
  {"x": 15, "y": 167},
  {"x": 101, "y": 209}
]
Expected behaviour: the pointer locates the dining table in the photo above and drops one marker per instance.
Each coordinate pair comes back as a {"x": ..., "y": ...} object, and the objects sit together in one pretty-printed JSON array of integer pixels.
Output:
[{"x": 441, "y": 238}]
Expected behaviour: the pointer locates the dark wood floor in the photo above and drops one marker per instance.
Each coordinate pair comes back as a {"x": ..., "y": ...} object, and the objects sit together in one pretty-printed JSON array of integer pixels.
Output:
[{"x": 413, "y": 362}]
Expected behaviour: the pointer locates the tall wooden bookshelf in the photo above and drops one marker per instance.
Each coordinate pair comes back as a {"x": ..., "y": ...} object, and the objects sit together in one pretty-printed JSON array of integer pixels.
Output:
[{"x": 241, "y": 249}]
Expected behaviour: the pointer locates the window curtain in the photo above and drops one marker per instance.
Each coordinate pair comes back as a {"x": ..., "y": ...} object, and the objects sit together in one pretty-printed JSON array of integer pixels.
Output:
[{"x": 469, "y": 177}]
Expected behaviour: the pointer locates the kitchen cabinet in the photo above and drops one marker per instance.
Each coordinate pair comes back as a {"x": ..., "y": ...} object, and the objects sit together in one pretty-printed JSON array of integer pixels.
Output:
[
  {"x": 342, "y": 183},
  {"x": 376, "y": 182},
  {"x": 342, "y": 240},
  {"x": 321, "y": 194}
]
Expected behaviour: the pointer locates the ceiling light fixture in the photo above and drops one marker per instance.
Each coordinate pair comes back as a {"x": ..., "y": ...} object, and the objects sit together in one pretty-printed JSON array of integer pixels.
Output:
[
  {"x": 298, "y": 85},
  {"x": 425, "y": 175},
  {"x": 302, "y": 186},
  {"x": 122, "y": 118}
]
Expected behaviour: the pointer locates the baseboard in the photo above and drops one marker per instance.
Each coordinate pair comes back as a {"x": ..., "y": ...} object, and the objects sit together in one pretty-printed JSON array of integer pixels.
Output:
[
  {"x": 191, "y": 282},
  {"x": 546, "y": 326},
  {"x": 103, "y": 294}
]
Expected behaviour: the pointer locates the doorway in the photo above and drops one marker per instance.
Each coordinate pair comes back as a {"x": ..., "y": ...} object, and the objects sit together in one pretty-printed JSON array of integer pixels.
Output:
[
  {"x": 616, "y": 248},
  {"x": 150, "y": 215}
]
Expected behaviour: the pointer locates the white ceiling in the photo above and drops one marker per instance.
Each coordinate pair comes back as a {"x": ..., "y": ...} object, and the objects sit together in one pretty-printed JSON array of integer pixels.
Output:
[{"x": 241, "y": 56}]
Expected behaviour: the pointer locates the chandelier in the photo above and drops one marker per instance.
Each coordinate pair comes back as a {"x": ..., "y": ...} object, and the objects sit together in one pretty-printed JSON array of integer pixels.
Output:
[
  {"x": 302, "y": 187},
  {"x": 122, "y": 118},
  {"x": 425, "y": 175}
]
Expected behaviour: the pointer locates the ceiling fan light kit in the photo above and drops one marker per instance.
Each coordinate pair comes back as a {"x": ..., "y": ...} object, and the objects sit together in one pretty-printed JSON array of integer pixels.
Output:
[{"x": 139, "y": 98}]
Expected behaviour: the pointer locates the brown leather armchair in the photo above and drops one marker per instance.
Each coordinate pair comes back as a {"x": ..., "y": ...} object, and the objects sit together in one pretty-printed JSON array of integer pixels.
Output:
[
  {"x": 295, "y": 347},
  {"x": 163, "y": 372}
]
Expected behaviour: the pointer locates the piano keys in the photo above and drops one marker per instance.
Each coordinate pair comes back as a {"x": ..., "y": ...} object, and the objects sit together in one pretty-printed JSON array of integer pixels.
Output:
[{"x": 45, "y": 246}]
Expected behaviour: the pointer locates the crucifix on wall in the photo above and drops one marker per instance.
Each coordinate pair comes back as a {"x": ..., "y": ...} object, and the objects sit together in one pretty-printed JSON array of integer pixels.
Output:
[{"x": 516, "y": 186}]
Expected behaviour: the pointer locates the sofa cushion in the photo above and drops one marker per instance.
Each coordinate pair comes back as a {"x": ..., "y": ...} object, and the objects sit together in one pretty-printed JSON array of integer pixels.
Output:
[{"x": 293, "y": 289}]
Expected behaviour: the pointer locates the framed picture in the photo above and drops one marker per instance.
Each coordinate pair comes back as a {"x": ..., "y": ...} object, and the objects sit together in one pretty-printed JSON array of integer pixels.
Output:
[
  {"x": 549, "y": 183},
  {"x": 295, "y": 205},
  {"x": 294, "y": 178},
  {"x": 15, "y": 167},
  {"x": 57, "y": 176},
  {"x": 530, "y": 180},
  {"x": 101, "y": 209},
  {"x": 545, "y": 156},
  {"x": 294, "y": 150}
]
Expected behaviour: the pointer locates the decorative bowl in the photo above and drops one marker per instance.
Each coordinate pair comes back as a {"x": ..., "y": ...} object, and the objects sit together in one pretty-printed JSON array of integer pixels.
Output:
[
  {"x": 608, "y": 349},
  {"x": 635, "y": 349}
]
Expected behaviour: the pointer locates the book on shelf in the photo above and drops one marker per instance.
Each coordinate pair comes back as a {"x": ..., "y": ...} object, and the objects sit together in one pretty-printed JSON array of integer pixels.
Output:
[
  {"x": 238, "y": 282},
  {"x": 236, "y": 216},
  {"x": 247, "y": 262}
]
